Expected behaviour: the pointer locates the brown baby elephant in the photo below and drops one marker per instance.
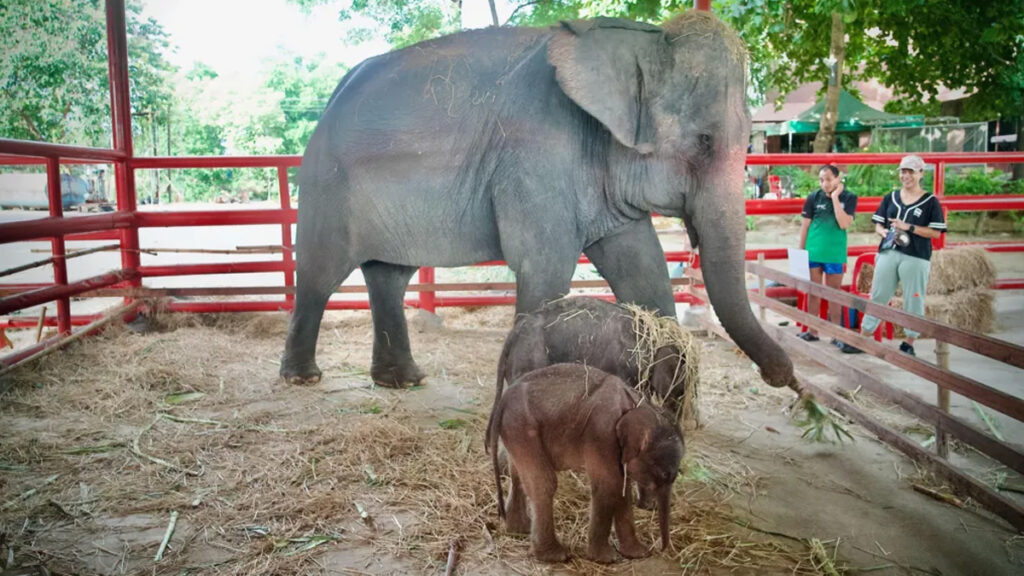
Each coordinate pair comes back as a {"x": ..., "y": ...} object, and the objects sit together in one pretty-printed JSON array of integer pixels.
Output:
[
  {"x": 601, "y": 335},
  {"x": 572, "y": 417}
]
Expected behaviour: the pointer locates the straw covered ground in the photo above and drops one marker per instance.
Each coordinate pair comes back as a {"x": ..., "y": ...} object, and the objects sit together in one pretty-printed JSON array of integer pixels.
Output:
[{"x": 107, "y": 441}]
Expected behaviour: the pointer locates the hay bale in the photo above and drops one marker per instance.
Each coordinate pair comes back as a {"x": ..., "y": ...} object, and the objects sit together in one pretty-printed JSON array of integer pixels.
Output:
[
  {"x": 952, "y": 270},
  {"x": 653, "y": 332},
  {"x": 963, "y": 268},
  {"x": 969, "y": 310}
]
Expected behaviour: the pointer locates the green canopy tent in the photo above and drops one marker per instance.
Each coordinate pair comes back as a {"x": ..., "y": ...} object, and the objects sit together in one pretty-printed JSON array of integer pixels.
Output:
[{"x": 854, "y": 116}]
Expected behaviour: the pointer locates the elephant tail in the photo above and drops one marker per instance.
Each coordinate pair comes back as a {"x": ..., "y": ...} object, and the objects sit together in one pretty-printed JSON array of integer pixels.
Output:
[
  {"x": 499, "y": 387},
  {"x": 492, "y": 447}
]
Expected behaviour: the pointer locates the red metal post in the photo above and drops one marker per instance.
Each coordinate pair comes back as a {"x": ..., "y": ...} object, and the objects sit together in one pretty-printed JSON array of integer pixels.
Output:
[
  {"x": 60, "y": 269},
  {"x": 47, "y": 227},
  {"x": 704, "y": 5},
  {"x": 121, "y": 121},
  {"x": 60, "y": 291},
  {"x": 940, "y": 192},
  {"x": 286, "y": 233},
  {"x": 427, "y": 300}
]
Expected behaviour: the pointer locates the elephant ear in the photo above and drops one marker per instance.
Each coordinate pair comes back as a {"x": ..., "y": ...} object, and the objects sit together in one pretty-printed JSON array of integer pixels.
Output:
[
  {"x": 634, "y": 434},
  {"x": 600, "y": 64}
]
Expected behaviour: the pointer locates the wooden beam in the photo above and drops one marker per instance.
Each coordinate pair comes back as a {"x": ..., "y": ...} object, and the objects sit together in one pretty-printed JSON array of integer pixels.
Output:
[
  {"x": 961, "y": 482},
  {"x": 963, "y": 385},
  {"x": 356, "y": 289},
  {"x": 854, "y": 376},
  {"x": 994, "y": 348}
]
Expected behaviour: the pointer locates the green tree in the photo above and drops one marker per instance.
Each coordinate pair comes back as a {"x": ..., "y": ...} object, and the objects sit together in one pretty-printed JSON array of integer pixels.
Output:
[
  {"x": 53, "y": 75},
  {"x": 914, "y": 47},
  {"x": 399, "y": 22},
  {"x": 304, "y": 86}
]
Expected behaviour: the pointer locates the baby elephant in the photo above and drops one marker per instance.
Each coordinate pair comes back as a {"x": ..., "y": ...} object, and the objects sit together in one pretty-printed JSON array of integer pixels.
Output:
[
  {"x": 601, "y": 335},
  {"x": 572, "y": 417}
]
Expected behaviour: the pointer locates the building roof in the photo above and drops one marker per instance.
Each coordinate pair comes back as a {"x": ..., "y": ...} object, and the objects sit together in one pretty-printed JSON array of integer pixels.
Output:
[{"x": 854, "y": 116}]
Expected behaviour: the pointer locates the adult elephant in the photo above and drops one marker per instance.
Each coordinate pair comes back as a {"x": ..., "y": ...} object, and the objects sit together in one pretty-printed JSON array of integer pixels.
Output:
[{"x": 532, "y": 145}]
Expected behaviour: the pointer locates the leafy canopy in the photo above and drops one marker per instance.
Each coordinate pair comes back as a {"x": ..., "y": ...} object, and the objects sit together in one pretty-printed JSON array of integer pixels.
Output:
[{"x": 53, "y": 76}]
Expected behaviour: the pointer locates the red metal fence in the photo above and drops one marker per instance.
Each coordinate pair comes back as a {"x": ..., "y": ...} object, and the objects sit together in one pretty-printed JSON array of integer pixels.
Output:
[{"x": 124, "y": 224}]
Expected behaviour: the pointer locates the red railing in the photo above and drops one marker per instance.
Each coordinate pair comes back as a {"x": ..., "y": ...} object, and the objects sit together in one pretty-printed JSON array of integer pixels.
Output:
[{"x": 124, "y": 224}]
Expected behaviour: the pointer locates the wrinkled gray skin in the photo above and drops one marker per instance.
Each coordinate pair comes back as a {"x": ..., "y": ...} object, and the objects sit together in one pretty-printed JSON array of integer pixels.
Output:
[
  {"x": 594, "y": 333},
  {"x": 572, "y": 417},
  {"x": 531, "y": 145}
]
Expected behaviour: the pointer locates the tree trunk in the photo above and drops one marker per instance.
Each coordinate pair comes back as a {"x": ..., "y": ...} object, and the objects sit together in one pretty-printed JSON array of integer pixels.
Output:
[
  {"x": 494, "y": 14},
  {"x": 827, "y": 129}
]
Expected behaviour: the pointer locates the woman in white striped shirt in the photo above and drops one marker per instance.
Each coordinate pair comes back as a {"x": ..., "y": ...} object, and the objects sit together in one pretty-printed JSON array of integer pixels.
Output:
[{"x": 917, "y": 212}]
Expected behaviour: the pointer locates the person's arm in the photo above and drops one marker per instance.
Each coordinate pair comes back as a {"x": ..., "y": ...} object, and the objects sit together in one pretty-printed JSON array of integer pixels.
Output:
[
  {"x": 805, "y": 224},
  {"x": 843, "y": 218},
  {"x": 879, "y": 217},
  {"x": 922, "y": 231},
  {"x": 936, "y": 222}
]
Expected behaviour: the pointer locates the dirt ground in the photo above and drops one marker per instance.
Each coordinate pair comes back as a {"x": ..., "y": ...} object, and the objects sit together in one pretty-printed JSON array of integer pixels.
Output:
[{"x": 104, "y": 442}]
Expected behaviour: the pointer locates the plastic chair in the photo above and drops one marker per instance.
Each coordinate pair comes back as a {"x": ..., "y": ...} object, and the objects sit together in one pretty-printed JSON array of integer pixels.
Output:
[{"x": 801, "y": 305}]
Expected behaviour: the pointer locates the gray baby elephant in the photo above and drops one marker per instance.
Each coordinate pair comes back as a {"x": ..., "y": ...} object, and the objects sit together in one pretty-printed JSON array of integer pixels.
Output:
[
  {"x": 573, "y": 417},
  {"x": 598, "y": 334}
]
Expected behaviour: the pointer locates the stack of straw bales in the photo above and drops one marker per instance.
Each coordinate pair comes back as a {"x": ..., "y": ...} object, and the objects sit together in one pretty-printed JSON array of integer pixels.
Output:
[{"x": 959, "y": 289}]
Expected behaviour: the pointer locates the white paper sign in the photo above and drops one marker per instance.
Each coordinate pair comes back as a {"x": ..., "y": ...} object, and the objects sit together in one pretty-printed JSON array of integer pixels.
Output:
[{"x": 799, "y": 264}]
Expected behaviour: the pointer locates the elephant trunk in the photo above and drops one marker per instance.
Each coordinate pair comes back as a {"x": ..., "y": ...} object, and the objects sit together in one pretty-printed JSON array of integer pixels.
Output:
[
  {"x": 721, "y": 227},
  {"x": 663, "y": 512}
]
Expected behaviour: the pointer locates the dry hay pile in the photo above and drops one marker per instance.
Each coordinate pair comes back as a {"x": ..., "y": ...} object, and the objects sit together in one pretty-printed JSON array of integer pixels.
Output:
[
  {"x": 653, "y": 332},
  {"x": 189, "y": 417},
  {"x": 959, "y": 291}
]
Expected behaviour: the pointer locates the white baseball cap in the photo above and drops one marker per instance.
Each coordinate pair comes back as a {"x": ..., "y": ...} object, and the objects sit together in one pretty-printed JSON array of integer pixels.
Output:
[{"x": 912, "y": 162}]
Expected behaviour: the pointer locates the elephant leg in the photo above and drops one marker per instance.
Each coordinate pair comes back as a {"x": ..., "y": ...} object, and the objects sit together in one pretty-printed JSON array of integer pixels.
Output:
[
  {"x": 392, "y": 364},
  {"x": 539, "y": 281},
  {"x": 316, "y": 282},
  {"x": 517, "y": 519},
  {"x": 605, "y": 499},
  {"x": 633, "y": 263},
  {"x": 539, "y": 483},
  {"x": 629, "y": 545}
]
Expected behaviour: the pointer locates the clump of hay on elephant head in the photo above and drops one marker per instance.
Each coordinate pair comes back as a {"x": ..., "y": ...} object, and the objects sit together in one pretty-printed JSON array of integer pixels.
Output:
[
  {"x": 653, "y": 332},
  {"x": 958, "y": 292}
]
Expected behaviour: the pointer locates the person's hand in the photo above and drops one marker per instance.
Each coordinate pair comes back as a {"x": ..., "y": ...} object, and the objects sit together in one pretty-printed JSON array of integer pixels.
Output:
[
  {"x": 835, "y": 193},
  {"x": 900, "y": 225}
]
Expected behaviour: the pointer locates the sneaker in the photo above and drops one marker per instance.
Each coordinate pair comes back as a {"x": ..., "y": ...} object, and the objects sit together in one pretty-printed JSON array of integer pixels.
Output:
[
  {"x": 847, "y": 349},
  {"x": 835, "y": 342},
  {"x": 807, "y": 337},
  {"x": 907, "y": 349}
]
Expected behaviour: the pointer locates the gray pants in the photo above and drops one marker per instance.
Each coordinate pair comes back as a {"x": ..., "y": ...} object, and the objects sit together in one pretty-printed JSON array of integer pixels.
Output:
[{"x": 893, "y": 268}]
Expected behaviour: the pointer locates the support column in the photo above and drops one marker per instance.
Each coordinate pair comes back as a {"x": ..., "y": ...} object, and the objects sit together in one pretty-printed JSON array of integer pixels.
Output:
[{"x": 60, "y": 269}]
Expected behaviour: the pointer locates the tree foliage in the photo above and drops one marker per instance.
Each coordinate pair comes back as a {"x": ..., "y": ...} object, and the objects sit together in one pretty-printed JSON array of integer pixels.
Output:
[
  {"x": 913, "y": 47},
  {"x": 53, "y": 76},
  {"x": 400, "y": 22}
]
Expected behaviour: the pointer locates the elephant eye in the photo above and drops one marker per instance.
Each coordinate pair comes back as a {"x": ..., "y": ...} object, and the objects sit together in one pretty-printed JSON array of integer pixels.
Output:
[{"x": 704, "y": 141}]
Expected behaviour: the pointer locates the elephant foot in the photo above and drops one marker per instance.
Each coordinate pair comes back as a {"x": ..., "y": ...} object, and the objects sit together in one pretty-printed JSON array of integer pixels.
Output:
[
  {"x": 601, "y": 554},
  {"x": 633, "y": 550},
  {"x": 300, "y": 376},
  {"x": 551, "y": 553},
  {"x": 397, "y": 375}
]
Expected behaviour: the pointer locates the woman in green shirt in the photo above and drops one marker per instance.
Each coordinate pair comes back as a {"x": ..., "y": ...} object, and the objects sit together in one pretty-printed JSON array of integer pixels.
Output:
[{"x": 827, "y": 213}]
